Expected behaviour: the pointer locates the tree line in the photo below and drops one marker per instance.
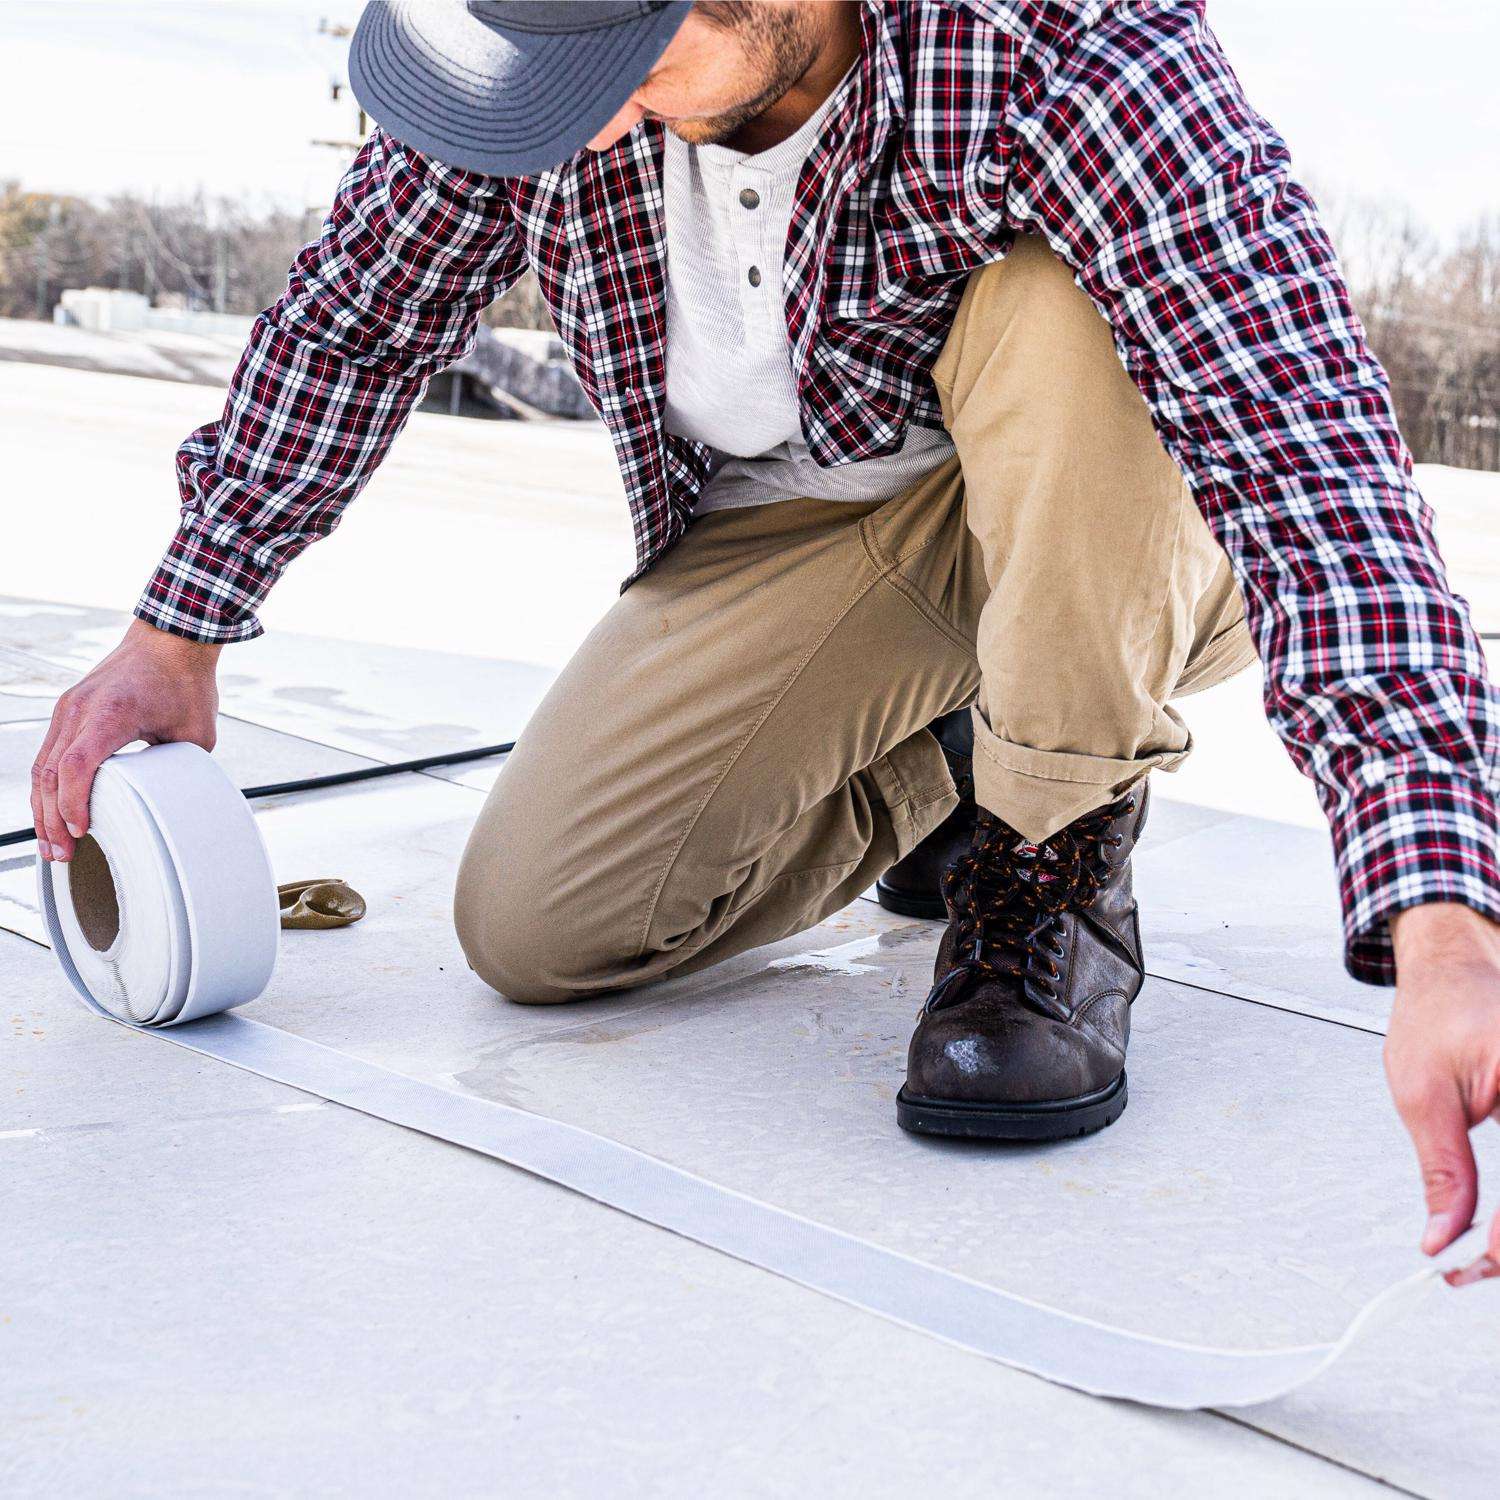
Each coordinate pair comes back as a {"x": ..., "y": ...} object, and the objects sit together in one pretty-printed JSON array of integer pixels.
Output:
[{"x": 1431, "y": 308}]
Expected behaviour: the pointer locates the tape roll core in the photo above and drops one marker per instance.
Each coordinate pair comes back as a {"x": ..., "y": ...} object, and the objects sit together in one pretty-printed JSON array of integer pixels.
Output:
[{"x": 96, "y": 898}]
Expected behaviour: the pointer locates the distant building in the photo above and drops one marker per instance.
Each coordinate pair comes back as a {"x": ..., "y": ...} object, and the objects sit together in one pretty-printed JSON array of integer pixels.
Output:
[{"x": 510, "y": 372}]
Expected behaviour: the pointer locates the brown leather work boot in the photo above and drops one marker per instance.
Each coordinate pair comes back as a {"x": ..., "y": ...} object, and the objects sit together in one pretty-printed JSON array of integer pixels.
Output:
[
  {"x": 913, "y": 886},
  {"x": 1023, "y": 1035}
]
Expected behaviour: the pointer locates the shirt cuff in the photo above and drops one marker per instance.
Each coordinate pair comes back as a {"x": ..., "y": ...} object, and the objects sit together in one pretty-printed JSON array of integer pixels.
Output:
[
  {"x": 205, "y": 591},
  {"x": 1405, "y": 842}
]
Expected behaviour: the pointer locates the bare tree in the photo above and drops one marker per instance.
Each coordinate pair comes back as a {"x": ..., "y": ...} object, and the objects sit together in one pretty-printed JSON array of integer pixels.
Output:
[{"x": 1432, "y": 312}]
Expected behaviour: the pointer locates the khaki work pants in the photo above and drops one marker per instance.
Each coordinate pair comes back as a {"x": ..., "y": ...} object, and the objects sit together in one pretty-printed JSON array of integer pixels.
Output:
[{"x": 738, "y": 748}]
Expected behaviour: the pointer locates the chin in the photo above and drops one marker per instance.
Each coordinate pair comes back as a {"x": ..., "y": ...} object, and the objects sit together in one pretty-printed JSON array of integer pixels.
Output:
[
  {"x": 709, "y": 132},
  {"x": 693, "y": 132}
]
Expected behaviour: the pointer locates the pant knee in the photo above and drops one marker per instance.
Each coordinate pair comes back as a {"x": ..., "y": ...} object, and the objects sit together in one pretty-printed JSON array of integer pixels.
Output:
[
  {"x": 502, "y": 954},
  {"x": 1035, "y": 286},
  {"x": 1026, "y": 315},
  {"x": 520, "y": 948}
]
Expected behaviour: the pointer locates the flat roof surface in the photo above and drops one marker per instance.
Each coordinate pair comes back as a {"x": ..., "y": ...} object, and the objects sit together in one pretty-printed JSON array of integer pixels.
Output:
[{"x": 216, "y": 1285}]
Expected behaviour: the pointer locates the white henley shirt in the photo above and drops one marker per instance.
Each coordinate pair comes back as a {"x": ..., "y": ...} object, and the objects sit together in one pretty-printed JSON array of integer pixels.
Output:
[{"x": 729, "y": 371}]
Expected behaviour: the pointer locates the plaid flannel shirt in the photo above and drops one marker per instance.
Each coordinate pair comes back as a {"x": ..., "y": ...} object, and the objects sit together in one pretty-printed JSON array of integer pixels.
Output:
[{"x": 1119, "y": 132}]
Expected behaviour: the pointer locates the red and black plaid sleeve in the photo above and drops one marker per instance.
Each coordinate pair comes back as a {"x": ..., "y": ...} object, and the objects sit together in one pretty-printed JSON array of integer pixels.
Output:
[
  {"x": 1133, "y": 149},
  {"x": 388, "y": 294}
]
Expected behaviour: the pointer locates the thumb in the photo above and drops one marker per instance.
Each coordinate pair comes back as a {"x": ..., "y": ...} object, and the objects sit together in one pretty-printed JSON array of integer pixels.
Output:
[{"x": 1439, "y": 1126}]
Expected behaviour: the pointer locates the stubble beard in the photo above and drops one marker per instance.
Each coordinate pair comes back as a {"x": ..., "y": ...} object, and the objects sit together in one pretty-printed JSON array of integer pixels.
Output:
[{"x": 783, "y": 48}]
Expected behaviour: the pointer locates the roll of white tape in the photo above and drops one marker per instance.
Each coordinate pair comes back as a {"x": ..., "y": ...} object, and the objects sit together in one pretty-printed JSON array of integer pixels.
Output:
[
  {"x": 168, "y": 914},
  {"x": 167, "y": 910}
]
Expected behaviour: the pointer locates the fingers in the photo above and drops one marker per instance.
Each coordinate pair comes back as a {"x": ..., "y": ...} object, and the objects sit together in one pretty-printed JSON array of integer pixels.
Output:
[
  {"x": 75, "y": 776},
  {"x": 63, "y": 775},
  {"x": 1439, "y": 1127},
  {"x": 44, "y": 777},
  {"x": 1486, "y": 1268},
  {"x": 1493, "y": 1248},
  {"x": 59, "y": 840}
]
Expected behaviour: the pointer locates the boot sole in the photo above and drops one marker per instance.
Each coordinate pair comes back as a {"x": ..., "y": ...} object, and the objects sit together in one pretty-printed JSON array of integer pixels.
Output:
[
  {"x": 931, "y": 907},
  {"x": 1055, "y": 1120}
]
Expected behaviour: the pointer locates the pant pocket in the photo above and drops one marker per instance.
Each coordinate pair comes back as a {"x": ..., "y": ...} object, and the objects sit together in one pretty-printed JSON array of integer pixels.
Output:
[{"x": 913, "y": 781}]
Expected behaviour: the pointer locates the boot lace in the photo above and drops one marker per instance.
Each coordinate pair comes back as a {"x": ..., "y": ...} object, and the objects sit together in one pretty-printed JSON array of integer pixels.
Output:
[{"x": 1008, "y": 897}]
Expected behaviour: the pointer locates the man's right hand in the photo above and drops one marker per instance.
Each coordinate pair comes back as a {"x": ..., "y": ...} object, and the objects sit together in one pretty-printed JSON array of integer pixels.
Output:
[{"x": 153, "y": 686}]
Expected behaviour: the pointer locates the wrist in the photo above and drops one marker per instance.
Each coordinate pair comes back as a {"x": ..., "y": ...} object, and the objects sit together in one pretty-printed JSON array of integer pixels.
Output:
[
  {"x": 1442, "y": 930},
  {"x": 141, "y": 635}
]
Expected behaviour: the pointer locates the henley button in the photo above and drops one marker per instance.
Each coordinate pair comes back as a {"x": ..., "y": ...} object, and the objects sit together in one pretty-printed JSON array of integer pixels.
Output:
[
  {"x": 749, "y": 198},
  {"x": 754, "y": 275}
]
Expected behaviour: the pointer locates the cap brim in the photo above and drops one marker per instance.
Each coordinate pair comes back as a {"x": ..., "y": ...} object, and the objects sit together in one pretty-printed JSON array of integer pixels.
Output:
[{"x": 506, "y": 105}]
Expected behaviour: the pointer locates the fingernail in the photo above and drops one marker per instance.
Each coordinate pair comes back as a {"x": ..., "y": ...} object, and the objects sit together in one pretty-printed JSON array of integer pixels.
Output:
[
  {"x": 44, "y": 849},
  {"x": 1437, "y": 1234},
  {"x": 60, "y": 854},
  {"x": 74, "y": 829}
]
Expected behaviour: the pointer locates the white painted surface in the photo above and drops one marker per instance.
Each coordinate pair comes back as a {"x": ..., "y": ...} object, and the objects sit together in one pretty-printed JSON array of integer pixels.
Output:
[
  {"x": 367, "y": 1313},
  {"x": 372, "y": 1313},
  {"x": 1201, "y": 1213},
  {"x": 1250, "y": 907},
  {"x": 28, "y": 685},
  {"x": 386, "y": 703},
  {"x": 474, "y": 538}
]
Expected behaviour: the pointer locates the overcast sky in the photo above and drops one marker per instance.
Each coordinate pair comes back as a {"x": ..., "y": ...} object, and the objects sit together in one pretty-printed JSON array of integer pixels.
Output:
[{"x": 1389, "y": 98}]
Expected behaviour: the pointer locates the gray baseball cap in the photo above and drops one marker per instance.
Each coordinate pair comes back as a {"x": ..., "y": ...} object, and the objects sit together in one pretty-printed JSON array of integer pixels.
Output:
[{"x": 504, "y": 87}]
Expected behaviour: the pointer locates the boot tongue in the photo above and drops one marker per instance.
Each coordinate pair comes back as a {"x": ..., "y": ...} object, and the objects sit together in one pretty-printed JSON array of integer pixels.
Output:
[
  {"x": 1032, "y": 868},
  {"x": 1059, "y": 873}
]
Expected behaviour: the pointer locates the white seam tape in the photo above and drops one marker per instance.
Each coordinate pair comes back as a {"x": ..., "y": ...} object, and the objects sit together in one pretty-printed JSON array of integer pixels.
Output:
[{"x": 180, "y": 842}]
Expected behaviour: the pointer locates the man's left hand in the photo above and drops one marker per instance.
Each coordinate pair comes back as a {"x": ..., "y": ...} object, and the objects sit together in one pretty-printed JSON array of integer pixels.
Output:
[{"x": 1442, "y": 1058}]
